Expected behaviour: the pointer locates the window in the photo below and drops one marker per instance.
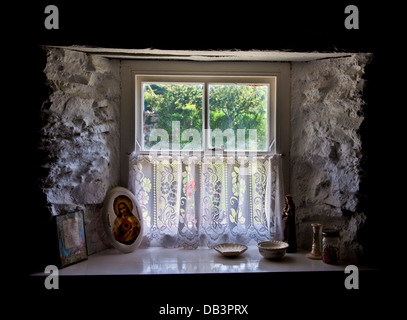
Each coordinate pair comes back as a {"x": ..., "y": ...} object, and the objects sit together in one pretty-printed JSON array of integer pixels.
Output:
[
  {"x": 243, "y": 110},
  {"x": 227, "y": 121},
  {"x": 222, "y": 108},
  {"x": 205, "y": 113},
  {"x": 172, "y": 111}
]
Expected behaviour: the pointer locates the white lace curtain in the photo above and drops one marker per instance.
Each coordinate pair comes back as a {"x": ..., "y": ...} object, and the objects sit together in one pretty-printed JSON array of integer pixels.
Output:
[{"x": 193, "y": 201}]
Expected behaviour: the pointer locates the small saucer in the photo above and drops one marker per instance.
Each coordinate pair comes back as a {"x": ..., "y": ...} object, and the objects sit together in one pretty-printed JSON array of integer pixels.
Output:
[{"x": 230, "y": 249}]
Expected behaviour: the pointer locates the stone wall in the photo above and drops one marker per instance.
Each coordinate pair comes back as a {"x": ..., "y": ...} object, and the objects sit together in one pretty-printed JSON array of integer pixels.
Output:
[
  {"x": 326, "y": 147},
  {"x": 80, "y": 136}
]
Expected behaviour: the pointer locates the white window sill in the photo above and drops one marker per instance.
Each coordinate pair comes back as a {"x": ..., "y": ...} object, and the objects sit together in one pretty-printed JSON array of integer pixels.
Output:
[{"x": 201, "y": 261}]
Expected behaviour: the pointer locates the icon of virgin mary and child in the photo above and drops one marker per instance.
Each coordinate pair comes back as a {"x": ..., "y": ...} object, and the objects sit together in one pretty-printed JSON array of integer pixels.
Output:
[{"x": 126, "y": 226}]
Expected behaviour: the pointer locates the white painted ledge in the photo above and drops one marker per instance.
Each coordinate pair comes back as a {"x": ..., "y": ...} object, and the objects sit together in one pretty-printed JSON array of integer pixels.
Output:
[
  {"x": 199, "y": 261},
  {"x": 206, "y": 55}
]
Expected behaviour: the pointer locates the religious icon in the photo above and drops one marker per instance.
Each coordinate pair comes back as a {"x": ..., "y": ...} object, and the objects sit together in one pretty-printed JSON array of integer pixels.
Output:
[
  {"x": 126, "y": 226},
  {"x": 122, "y": 219},
  {"x": 289, "y": 223},
  {"x": 71, "y": 238}
]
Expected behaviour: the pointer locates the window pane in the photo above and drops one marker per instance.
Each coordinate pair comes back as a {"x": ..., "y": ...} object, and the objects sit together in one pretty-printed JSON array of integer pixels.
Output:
[
  {"x": 172, "y": 116},
  {"x": 238, "y": 116}
]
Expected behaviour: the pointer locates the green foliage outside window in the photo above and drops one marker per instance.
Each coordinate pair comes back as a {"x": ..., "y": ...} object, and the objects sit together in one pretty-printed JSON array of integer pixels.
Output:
[{"x": 230, "y": 107}]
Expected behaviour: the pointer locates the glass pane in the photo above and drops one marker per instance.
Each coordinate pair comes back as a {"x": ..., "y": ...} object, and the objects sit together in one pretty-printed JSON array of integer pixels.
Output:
[
  {"x": 172, "y": 116},
  {"x": 238, "y": 116}
]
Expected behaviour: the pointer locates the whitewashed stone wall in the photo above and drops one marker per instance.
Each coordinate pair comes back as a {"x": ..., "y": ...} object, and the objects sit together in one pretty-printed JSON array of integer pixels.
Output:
[
  {"x": 326, "y": 146},
  {"x": 81, "y": 136}
]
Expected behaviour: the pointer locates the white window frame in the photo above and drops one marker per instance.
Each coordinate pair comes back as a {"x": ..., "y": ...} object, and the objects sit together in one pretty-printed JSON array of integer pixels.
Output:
[
  {"x": 135, "y": 72},
  {"x": 270, "y": 81}
]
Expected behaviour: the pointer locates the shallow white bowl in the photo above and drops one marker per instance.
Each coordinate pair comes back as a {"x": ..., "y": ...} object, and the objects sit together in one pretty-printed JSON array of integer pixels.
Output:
[
  {"x": 230, "y": 249},
  {"x": 272, "y": 249}
]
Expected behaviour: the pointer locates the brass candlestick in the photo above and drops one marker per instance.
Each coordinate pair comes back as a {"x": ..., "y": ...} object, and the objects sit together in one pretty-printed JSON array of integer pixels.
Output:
[{"x": 316, "y": 252}]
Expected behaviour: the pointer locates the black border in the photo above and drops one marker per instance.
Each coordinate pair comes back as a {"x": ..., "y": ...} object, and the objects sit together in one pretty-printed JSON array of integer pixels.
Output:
[{"x": 213, "y": 25}]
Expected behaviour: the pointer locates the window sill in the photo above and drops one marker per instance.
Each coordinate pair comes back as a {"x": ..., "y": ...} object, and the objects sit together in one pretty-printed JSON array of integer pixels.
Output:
[{"x": 201, "y": 261}]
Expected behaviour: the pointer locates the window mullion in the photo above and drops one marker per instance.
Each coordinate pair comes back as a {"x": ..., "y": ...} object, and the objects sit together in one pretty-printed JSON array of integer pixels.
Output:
[{"x": 205, "y": 111}]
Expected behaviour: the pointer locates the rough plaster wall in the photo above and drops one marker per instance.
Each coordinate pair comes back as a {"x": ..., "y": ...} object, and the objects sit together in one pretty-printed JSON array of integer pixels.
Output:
[
  {"x": 325, "y": 156},
  {"x": 81, "y": 136}
]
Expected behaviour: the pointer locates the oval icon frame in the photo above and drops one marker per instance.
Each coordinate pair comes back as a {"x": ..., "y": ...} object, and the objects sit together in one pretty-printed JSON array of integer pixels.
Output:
[{"x": 122, "y": 219}]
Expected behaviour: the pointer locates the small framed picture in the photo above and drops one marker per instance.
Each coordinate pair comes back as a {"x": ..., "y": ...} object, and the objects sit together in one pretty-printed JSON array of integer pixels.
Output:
[
  {"x": 122, "y": 219},
  {"x": 71, "y": 238}
]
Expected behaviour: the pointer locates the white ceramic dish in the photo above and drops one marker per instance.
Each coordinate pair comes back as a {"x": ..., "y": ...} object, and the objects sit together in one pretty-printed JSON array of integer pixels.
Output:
[
  {"x": 272, "y": 249},
  {"x": 230, "y": 249}
]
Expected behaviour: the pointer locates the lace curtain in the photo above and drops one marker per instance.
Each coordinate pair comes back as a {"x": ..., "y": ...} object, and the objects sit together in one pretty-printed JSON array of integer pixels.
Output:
[{"x": 194, "y": 201}]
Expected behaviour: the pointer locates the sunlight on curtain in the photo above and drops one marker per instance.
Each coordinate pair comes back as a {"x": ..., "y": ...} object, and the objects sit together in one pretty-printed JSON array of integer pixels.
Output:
[{"x": 193, "y": 201}]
